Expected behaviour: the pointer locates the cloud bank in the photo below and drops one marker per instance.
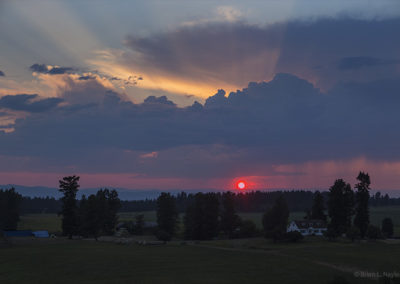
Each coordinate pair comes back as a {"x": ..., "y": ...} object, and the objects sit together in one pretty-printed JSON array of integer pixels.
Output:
[
  {"x": 324, "y": 51},
  {"x": 284, "y": 121}
]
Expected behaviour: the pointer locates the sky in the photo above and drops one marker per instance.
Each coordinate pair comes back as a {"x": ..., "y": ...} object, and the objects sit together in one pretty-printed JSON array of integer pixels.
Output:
[{"x": 200, "y": 94}]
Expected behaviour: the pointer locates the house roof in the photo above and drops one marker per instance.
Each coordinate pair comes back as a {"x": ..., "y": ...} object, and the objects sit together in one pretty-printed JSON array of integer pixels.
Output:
[
  {"x": 20, "y": 233},
  {"x": 305, "y": 224}
]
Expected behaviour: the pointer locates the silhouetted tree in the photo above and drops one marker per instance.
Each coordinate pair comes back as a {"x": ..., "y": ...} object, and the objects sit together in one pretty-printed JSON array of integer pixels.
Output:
[
  {"x": 340, "y": 207},
  {"x": 167, "y": 215},
  {"x": 229, "y": 219},
  {"x": 318, "y": 207},
  {"x": 210, "y": 215},
  {"x": 98, "y": 213},
  {"x": 91, "y": 216},
  {"x": 387, "y": 227},
  {"x": 69, "y": 187},
  {"x": 201, "y": 218},
  {"x": 9, "y": 209},
  {"x": 110, "y": 204},
  {"x": 361, "y": 220},
  {"x": 275, "y": 219}
]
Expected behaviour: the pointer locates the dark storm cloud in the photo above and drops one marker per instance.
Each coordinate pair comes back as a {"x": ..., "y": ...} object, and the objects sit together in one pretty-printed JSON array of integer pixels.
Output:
[
  {"x": 163, "y": 100},
  {"x": 348, "y": 63},
  {"x": 24, "y": 102},
  {"x": 88, "y": 77},
  {"x": 2, "y": 74},
  {"x": 39, "y": 68},
  {"x": 42, "y": 68},
  {"x": 239, "y": 53},
  {"x": 286, "y": 120}
]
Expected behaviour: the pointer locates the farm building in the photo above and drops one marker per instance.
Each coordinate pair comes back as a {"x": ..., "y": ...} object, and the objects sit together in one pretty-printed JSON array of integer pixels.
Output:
[
  {"x": 308, "y": 227},
  {"x": 20, "y": 233},
  {"x": 26, "y": 233}
]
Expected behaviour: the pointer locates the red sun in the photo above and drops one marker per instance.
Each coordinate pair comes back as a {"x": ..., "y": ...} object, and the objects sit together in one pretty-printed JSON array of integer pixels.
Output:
[{"x": 241, "y": 185}]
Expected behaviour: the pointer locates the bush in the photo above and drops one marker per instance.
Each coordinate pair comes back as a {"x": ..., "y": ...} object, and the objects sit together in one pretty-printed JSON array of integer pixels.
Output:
[
  {"x": 374, "y": 233},
  {"x": 246, "y": 229},
  {"x": 293, "y": 236},
  {"x": 331, "y": 233},
  {"x": 163, "y": 236}
]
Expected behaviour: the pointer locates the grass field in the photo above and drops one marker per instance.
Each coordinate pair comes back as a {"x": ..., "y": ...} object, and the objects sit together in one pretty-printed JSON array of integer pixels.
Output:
[
  {"x": 256, "y": 260},
  {"x": 235, "y": 261}
]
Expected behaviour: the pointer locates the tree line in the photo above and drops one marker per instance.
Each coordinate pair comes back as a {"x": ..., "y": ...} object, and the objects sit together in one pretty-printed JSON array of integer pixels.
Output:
[
  {"x": 213, "y": 214},
  {"x": 253, "y": 201},
  {"x": 210, "y": 215},
  {"x": 93, "y": 216}
]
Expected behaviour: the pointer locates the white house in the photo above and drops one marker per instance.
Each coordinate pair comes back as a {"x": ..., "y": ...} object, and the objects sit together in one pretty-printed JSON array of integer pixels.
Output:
[{"x": 308, "y": 227}]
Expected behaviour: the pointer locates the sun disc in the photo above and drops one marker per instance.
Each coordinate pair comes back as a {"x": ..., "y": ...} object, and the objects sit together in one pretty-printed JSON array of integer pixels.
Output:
[{"x": 241, "y": 185}]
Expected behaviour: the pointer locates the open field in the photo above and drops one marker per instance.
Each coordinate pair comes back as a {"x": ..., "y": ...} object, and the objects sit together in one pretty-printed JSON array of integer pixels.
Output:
[
  {"x": 52, "y": 222},
  {"x": 255, "y": 260},
  {"x": 230, "y": 261}
]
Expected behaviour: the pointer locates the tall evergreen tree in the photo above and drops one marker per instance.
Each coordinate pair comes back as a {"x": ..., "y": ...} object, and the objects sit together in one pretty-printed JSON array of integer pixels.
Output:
[
  {"x": 9, "y": 209},
  {"x": 361, "y": 220},
  {"x": 167, "y": 216},
  {"x": 91, "y": 216},
  {"x": 201, "y": 218},
  {"x": 210, "y": 215},
  {"x": 111, "y": 204},
  {"x": 69, "y": 187},
  {"x": 318, "y": 207},
  {"x": 275, "y": 219},
  {"x": 229, "y": 219},
  {"x": 340, "y": 207}
]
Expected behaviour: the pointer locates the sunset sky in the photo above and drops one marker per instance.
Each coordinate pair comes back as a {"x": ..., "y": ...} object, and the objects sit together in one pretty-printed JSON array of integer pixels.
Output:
[{"x": 200, "y": 94}]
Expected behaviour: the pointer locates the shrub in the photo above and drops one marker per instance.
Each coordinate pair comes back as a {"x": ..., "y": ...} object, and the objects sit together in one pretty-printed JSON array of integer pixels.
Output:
[
  {"x": 331, "y": 233},
  {"x": 247, "y": 229}
]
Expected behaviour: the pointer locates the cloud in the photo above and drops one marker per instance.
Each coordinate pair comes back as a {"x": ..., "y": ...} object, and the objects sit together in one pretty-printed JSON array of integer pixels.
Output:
[
  {"x": 349, "y": 63},
  {"x": 87, "y": 77},
  {"x": 285, "y": 121},
  {"x": 229, "y": 55},
  {"x": 163, "y": 100},
  {"x": 2, "y": 74},
  {"x": 39, "y": 68},
  {"x": 29, "y": 103}
]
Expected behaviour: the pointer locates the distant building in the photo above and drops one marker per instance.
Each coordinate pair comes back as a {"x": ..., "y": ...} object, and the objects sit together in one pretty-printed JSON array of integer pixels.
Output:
[
  {"x": 20, "y": 233},
  {"x": 26, "y": 233},
  {"x": 308, "y": 227},
  {"x": 41, "y": 234}
]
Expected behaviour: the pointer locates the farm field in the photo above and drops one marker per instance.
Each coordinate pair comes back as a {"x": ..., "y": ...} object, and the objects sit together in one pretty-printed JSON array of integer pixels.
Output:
[
  {"x": 230, "y": 261},
  {"x": 52, "y": 222}
]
